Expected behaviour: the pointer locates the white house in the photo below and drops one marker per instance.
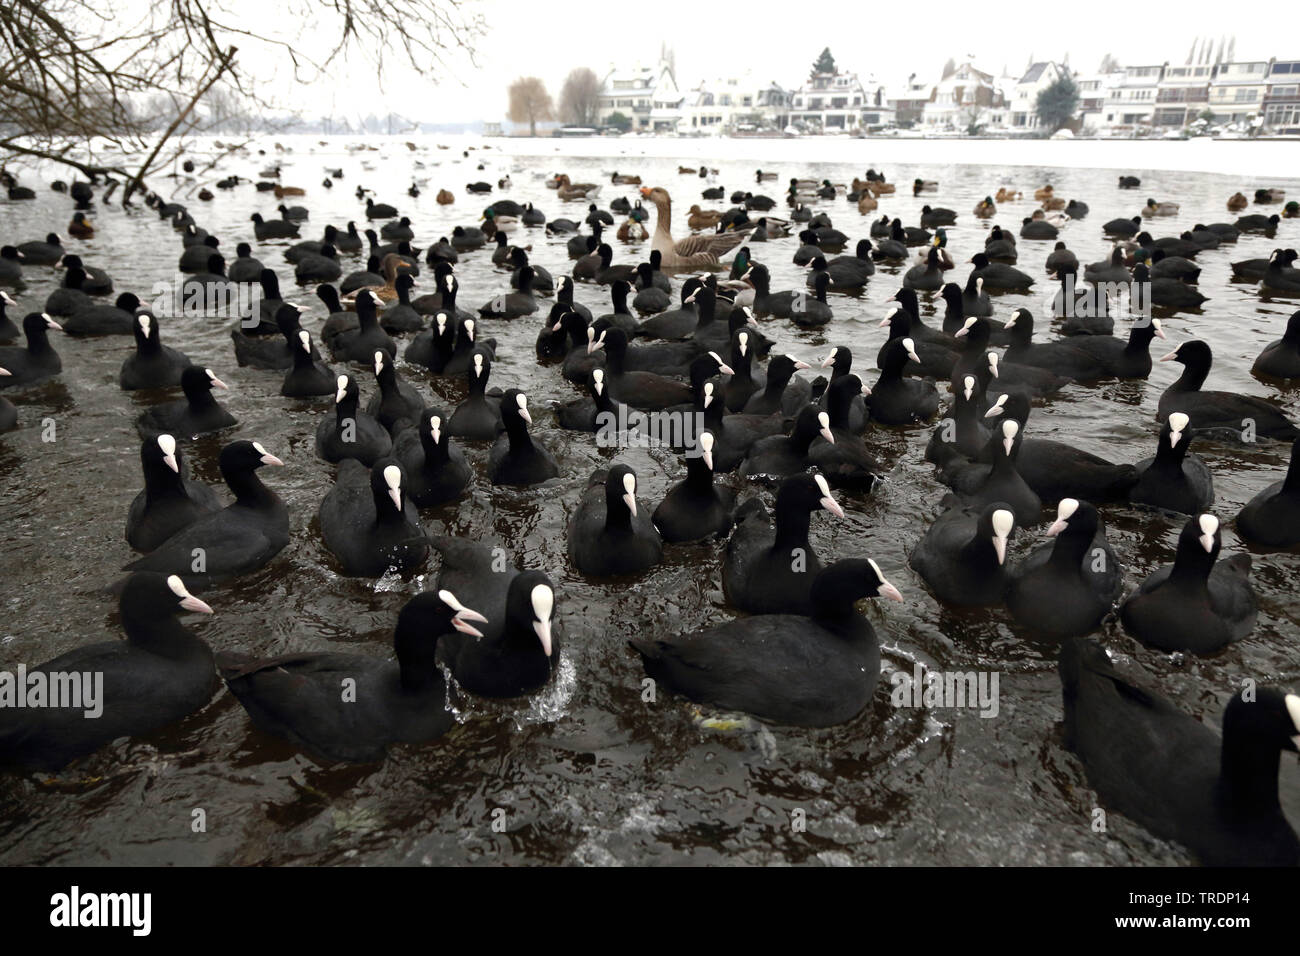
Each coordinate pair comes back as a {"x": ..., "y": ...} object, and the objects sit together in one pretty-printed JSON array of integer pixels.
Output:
[
  {"x": 909, "y": 100},
  {"x": 1183, "y": 95},
  {"x": 1237, "y": 91},
  {"x": 1132, "y": 102},
  {"x": 1282, "y": 100},
  {"x": 1024, "y": 95},
  {"x": 1094, "y": 97},
  {"x": 829, "y": 102},
  {"x": 727, "y": 104},
  {"x": 648, "y": 95},
  {"x": 877, "y": 110},
  {"x": 966, "y": 97}
]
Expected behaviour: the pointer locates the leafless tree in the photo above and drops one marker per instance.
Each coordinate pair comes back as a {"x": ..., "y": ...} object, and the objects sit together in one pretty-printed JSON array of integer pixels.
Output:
[
  {"x": 79, "y": 75},
  {"x": 530, "y": 103},
  {"x": 580, "y": 98}
]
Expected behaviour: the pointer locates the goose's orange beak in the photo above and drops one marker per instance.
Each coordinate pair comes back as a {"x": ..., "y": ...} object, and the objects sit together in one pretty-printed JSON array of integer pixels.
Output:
[{"x": 645, "y": 192}]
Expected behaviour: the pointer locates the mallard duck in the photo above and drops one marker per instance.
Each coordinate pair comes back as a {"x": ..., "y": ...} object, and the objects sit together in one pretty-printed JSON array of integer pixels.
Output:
[
  {"x": 1237, "y": 202},
  {"x": 1269, "y": 195},
  {"x": 80, "y": 227},
  {"x": 879, "y": 188},
  {"x": 693, "y": 252},
  {"x": 620, "y": 180},
  {"x": 698, "y": 218},
  {"x": 924, "y": 186},
  {"x": 761, "y": 176},
  {"x": 570, "y": 190},
  {"x": 446, "y": 197},
  {"x": 1153, "y": 208},
  {"x": 1008, "y": 195},
  {"x": 632, "y": 231},
  {"x": 985, "y": 209},
  {"x": 687, "y": 171},
  {"x": 282, "y": 191},
  {"x": 390, "y": 267},
  {"x": 1043, "y": 192},
  {"x": 1291, "y": 210},
  {"x": 493, "y": 223},
  {"x": 1053, "y": 203},
  {"x": 867, "y": 202}
]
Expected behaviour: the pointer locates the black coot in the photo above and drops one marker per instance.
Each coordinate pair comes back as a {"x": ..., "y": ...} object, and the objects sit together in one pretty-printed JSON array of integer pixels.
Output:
[
  {"x": 696, "y": 508},
  {"x": 1225, "y": 415},
  {"x": 397, "y": 403},
  {"x": 198, "y": 413},
  {"x": 817, "y": 670},
  {"x": 962, "y": 557},
  {"x": 520, "y": 643},
  {"x": 369, "y": 523},
  {"x": 240, "y": 538},
  {"x": 309, "y": 376},
  {"x": 369, "y": 337},
  {"x": 436, "y": 470},
  {"x": 610, "y": 533},
  {"x": 896, "y": 400},
  {"x": 1281, "y": 358},
  {"x": 478, "y": 417},
  {"x": 1056, "y": 470},
  {"x": 152, "y": 365},
  {"x": 779, "y": 456},
  {"x": 846, "y": 462},
  {"x": 170, "y": 500},
  {"x": 770, "y": 571},
  {"x": 298, "y": 697},
  {"x": 516, "y": 458},
  {"x": 348, "y": 432},
  {"x": 1168, "y": 771},
  {"x": 161, "y": 673},
  {"x": 36, "y": 361},
  {"x": 1272, "y": 518},
  {"x": 979, "y": 483},
  {"x": 1198, "y": 604},
  {"x": 1174, "y": 480},
  {"x": 1059, "y": 597}
]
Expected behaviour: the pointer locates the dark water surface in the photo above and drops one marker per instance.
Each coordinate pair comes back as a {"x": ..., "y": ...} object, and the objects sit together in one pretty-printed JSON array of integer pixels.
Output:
[{"x": 587, "y": 772}]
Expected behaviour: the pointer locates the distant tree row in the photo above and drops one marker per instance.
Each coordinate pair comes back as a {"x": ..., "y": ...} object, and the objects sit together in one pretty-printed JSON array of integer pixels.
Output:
[{"x": 529, "y": 101}]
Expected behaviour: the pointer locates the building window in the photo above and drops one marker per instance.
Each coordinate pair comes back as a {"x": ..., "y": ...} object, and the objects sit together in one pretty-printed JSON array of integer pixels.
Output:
[{"x": 1288, "y": 115}]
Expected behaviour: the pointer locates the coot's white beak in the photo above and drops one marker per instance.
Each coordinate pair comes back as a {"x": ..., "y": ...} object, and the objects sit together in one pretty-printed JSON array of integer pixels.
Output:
[
  {"x": 5, "y": 371},
  {"x": 833, "y": 506},
  {"x": 1170, "y": 357},
  {"x": 1057, "y": 527},
  {"x": 218, "y": 383},
  {"x": 543, "y": 631},
  {"x": 629, "y": 499},
  {"x": 1000, "y": 547},
  {"x": 191, "y": 603},
  {"x": 269, "y": 459},
  {"x": 889, "y": 591},
  {"x": 461, "y": 622},
  {"x": 51, "y": 323}
]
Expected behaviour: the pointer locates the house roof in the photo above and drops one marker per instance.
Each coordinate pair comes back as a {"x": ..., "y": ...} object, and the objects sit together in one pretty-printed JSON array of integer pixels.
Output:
[{"x": 1035, "y": 72}]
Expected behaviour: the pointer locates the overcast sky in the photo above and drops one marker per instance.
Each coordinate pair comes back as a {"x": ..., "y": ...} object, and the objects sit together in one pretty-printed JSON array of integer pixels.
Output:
[{"x": 888, "y": 40}]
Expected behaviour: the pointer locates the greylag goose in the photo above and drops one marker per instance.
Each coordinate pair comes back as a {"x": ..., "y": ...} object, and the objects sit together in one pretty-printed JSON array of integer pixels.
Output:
[{"x": 694, "y": 252}]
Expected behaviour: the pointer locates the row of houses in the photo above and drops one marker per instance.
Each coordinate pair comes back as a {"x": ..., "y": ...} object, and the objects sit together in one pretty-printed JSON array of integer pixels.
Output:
[{"x": 1259, "y": 95}]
